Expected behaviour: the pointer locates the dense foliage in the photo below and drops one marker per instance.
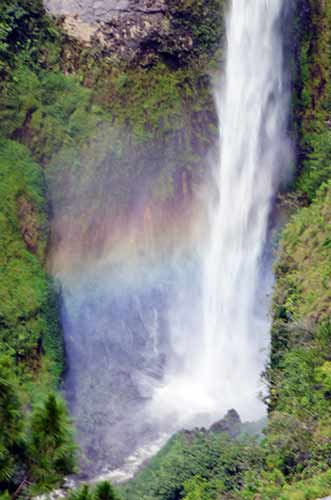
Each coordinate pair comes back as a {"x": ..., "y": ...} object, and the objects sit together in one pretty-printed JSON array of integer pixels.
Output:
[
  {"x": 200, "y": 461},
  {"x": 25, "y": 32},
  {"x": 312, "y": 98},
  {"x": 36, "y": 447},
  {"x": 29, "y": 323},
  {"x": 204, "y": 19},
  {"x": 29, "y": 327},
  {"x": 102, "y": 491},
  {"x": 36, "y": 441}
]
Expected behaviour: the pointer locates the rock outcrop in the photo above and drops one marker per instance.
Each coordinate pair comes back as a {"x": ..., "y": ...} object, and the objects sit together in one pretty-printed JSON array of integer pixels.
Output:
[
  {"x": 92, "y": 11},
  {"x": 230, "y": 424},
  {"x": 143, "y": 32},
  {"x": 131, "y": 30}
]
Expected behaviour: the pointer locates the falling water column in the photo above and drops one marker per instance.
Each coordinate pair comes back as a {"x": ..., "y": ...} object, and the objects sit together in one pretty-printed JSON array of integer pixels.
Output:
[{"x": 253, "y": 112}]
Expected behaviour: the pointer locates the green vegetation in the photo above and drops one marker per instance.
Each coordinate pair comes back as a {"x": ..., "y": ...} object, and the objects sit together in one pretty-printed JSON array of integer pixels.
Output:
[
  {"x": 26, "y": 33},
  {"x": 11, "y": 437},
  {"x": 103, "y": 491},
  {"x": 303, "y": 290},
  {"x": 195, "y": 462},
  {"x": 36, "y": 447},
  {"x": 45, "y": 110},
  {"x": 51, "y": 450},
  {"x": 155, "y": 102},
  {"x": 203, "y": 19},
  {"x": 29, "y": 324},
  {"x": 312, "y": 104},
  {"x": 36, "y": 442}
]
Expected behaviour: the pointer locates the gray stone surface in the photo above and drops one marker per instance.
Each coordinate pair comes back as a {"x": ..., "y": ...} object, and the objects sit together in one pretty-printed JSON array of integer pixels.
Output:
[
  {"x": 135, "y": 31},
  {"x": 101, "y": 10},
  {"x": 230, "y": 424},
  {"x": 88, "y": 10}
]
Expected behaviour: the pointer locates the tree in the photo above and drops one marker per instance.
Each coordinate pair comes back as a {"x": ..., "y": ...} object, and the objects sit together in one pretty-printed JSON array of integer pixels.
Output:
[
  {"x": 105, "y": 491},
  {"x": 82, "y": 493},
  {"x": 11, "y": 423},
  {"x": 52, "y": 449}
]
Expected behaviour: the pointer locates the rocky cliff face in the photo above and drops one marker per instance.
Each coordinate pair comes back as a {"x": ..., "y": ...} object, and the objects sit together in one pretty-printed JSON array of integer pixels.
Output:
[
  {"x": 127, "y": 29},
  {"x": 92, "y": 11},
  {"x": 143, "y": 31}
]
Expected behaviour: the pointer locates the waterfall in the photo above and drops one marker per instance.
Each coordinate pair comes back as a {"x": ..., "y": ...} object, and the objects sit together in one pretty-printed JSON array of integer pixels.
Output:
[
  {"x": 166, "y": 327},
  {"x": 226, "y": 354},
  {"x": 253, "y": 109}
]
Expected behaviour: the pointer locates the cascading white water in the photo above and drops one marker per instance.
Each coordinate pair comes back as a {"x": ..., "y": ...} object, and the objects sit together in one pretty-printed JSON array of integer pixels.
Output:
[
  {"x": 253, "y": 110},
  {"x": 221, "y": 362}
]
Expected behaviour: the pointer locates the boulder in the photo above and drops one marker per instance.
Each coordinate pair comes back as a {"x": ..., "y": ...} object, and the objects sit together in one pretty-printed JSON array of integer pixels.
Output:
[{"x": 230, "y": 424}]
